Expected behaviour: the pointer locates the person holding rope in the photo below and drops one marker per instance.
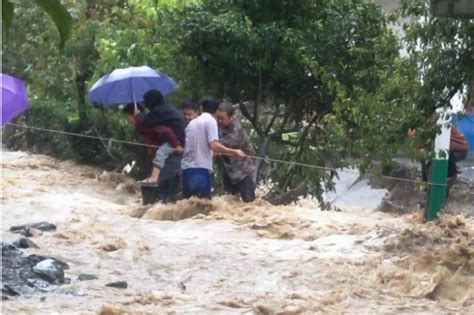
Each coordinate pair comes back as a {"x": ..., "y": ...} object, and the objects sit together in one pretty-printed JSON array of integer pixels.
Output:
[
  {"x": 238, "y": 173},
  {"x": 202, "y": 140}
]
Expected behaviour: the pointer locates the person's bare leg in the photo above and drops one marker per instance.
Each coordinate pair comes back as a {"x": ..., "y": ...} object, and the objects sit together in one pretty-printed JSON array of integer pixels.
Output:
[{"x": 155, "y": 174}]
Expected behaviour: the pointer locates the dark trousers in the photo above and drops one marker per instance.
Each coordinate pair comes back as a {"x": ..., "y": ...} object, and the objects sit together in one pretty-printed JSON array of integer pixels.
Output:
[
  {"x": 168, "y": 190},
  {"x": 454, "y": 157},
  {"x": 169, "y": 182},
  {"x": 246, "y": 187}
]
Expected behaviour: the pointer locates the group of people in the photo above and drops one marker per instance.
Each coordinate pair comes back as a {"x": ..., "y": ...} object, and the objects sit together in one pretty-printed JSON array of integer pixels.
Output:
[{"x": 183, "y": 146}]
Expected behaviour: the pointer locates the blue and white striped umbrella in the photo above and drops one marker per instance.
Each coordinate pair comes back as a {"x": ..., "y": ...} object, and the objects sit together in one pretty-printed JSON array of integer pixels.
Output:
[{"x": 128, "y": 85}]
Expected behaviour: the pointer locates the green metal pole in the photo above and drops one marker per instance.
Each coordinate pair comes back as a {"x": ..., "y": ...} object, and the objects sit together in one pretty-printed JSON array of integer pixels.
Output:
[
  {"x": 439, "y": 170},
  {"x": 437, "y": 191}
]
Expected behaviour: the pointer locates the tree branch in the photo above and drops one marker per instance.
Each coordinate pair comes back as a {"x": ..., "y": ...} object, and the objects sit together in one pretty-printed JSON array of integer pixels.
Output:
[
  {"x": 288, "y": 197},
  {"x": 277, "y": 134},
  {"x": 244, "y": 110},
  {"x": 305, "y": 133},
  {"x": 450, "y": 95},
  {"x": 272, "y": 121}
]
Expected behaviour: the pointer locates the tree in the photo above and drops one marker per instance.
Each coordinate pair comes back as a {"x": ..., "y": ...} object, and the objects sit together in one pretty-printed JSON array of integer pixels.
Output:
[
  {"x": 58, "y": 13},
  {"x": 106, "y": 35},
  {"x": 58, "y": 82},
  {"x": 439, "y": 64},
  {"x": 442, "y": 50},
  {"x": 288, "y": 63}
]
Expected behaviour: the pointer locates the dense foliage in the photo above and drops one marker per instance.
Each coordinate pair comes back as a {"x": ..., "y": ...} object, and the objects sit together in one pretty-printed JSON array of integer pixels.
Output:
[{"x": 316, "y": 81}]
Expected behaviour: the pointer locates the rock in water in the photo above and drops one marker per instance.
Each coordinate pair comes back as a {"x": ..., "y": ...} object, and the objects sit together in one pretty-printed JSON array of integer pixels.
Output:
[
  {"x": 44, "y": 226},
  {"x": 8, "y": 247},
  {"x": 25, "y": 229},
  {"x": 24, "y": 243},
  {"x": 7, "y": 290},
  {"x": 50, "y": 270},
  {"x": 118, "y": 284},
  {"x": 18, "y": 276},
  {"x": 35, "y": 259},
  {"x": 86, "y": 277},
  {"x": 32, "y": 232}
]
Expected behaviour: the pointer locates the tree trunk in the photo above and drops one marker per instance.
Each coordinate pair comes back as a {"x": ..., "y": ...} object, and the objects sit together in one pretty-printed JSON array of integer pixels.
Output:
[
  {"x": 288, "y": 197},
  {"x": 81, "y": 95},
  {"x": 261, "y": 153}
]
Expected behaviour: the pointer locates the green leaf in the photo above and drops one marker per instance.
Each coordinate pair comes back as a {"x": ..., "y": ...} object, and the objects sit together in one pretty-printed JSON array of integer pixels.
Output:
[
  {"x": 7, "y": 14},
  {"x": 60, "y": 16}
]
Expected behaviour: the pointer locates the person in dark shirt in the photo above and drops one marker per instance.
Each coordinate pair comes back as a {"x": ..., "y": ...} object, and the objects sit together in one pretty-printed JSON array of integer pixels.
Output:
[
  {"x": 161, "y": 113},
  {"x": 237, "y": 172},
  {"x": 162, "y": 140}
]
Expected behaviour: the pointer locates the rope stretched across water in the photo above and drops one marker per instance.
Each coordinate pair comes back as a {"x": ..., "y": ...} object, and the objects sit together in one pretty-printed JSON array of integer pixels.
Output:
[{"x": 268, "y": 159}]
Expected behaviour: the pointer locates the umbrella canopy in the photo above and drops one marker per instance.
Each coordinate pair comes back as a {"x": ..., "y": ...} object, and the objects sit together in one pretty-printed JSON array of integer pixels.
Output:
[
  {"x": 14, "y": 99},
  {"x": 128, "y": 85}
]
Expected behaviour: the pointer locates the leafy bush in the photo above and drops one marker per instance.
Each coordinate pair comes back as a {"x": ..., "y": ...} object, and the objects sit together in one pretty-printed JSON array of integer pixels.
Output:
[{"x": 105, "y": 124}]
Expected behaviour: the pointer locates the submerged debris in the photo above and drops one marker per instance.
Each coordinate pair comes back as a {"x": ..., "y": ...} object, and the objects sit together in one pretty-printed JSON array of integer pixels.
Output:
[
  {"x": 118, "y": 285},
  {"x": 24, "y": 243},
  {"x": 29, "y": 229},
  {"x": 86, "y": 277}
]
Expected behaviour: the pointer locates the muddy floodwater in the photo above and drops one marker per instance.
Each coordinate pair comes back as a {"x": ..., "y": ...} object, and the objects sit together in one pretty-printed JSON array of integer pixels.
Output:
[{"x": 225, "y": 257}]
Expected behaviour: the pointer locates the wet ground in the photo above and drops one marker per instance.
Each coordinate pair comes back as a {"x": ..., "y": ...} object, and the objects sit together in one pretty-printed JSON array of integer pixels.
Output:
[{"x": 225, "y": 257}]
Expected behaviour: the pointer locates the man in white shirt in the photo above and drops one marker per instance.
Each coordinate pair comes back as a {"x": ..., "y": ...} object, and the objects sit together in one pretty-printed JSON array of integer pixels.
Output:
[{"x": 202, "y": 140}]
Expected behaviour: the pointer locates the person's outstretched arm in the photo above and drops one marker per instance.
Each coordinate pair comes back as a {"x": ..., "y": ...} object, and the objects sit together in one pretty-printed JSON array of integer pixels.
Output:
[{"x": 219, "y": 148}]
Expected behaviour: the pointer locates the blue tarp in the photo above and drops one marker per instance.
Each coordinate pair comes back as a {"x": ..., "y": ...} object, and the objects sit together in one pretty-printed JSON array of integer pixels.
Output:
[{"x": 465, "y": 124}]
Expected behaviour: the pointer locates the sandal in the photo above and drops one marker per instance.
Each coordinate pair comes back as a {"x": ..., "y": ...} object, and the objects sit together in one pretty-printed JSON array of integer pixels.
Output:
[{"x": 147, "y": 182}]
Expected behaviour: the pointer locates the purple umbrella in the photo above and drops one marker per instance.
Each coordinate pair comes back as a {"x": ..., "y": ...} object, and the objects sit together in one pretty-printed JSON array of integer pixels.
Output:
[{"x": 14, "y": 98}]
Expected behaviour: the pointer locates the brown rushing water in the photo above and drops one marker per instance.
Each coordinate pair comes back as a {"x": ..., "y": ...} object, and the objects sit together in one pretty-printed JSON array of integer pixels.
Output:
[{"x": 237, "y": 259}]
